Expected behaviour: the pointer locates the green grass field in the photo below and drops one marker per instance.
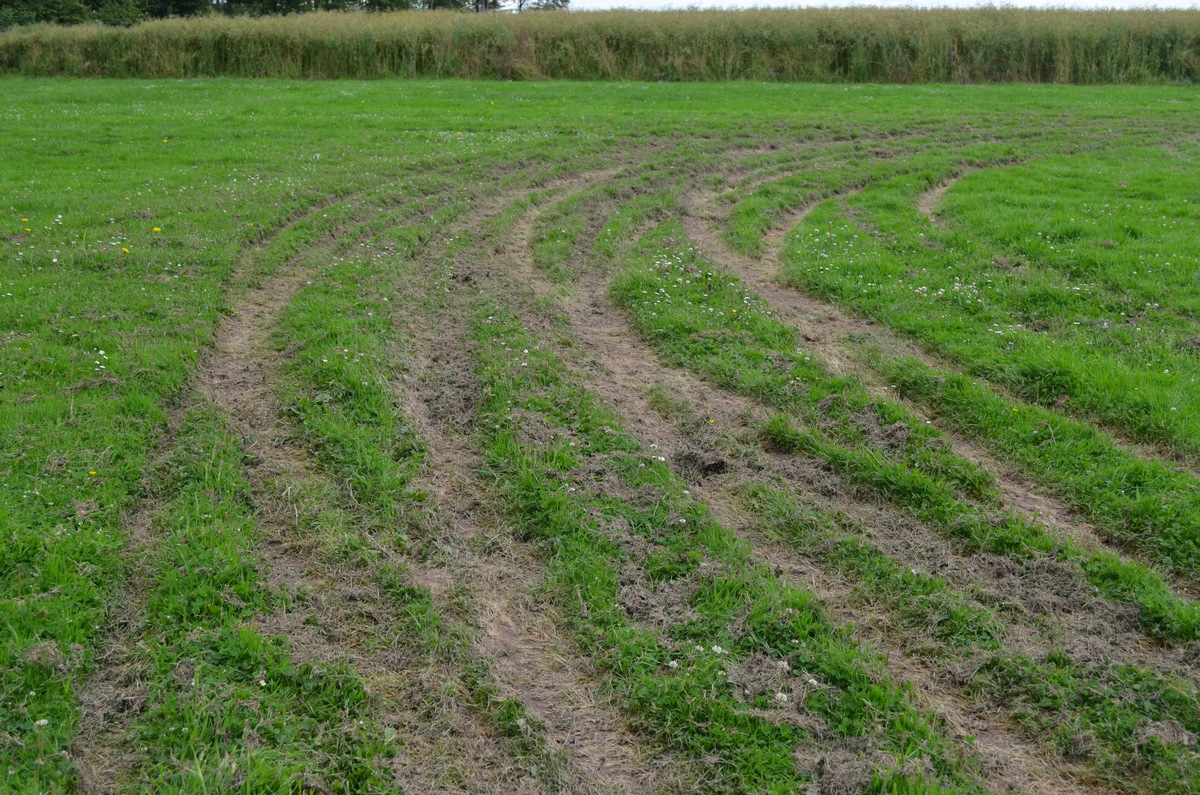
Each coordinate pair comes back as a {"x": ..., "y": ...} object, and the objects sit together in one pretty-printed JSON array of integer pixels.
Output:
[{"x": 472, "y": 437}]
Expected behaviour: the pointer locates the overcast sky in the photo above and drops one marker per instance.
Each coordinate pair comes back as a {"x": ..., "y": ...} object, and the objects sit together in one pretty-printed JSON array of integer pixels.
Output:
[{"x": 582, "y": 5}]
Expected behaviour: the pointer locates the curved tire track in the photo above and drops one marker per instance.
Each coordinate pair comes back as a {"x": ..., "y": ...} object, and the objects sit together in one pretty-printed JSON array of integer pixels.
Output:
[
  {"x": 822, "y": 326},
  {"x": 620, "y": 367},
  {"x": 530, "y": 658}
]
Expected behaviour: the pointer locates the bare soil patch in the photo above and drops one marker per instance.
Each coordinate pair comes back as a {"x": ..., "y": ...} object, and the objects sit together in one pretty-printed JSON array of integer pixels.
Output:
[{"x": 928, "y": 201}]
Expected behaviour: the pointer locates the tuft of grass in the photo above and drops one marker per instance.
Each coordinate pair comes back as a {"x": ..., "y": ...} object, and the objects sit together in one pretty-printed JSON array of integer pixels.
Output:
[{"x": 1132, "y": 725}]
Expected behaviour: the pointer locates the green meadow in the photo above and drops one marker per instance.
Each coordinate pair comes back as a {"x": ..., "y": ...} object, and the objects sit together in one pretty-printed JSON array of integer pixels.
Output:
[{"x": 446, "y": 436}]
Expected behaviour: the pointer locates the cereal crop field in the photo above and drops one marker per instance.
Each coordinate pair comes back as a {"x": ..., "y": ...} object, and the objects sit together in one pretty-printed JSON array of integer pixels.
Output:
[{"x": 483, "y": 437}]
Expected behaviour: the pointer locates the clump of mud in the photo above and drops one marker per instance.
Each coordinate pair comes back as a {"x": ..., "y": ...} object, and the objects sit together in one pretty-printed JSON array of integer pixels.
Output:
[
  {"x": 847, "y": 769},
  {"x": 658, "y": 605},
  {"x": 762, "y": 675},
  {"x": 887, "y": 437},
  {"x": 698, "y": 464}
]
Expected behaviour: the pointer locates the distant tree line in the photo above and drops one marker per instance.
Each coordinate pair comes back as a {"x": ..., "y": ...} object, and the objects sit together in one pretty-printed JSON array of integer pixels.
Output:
[{"x": 129, "y": 12}]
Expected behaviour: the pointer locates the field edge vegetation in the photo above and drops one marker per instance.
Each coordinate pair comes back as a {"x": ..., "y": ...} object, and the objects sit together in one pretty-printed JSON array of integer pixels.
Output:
[{"x": 815, "y": 45}]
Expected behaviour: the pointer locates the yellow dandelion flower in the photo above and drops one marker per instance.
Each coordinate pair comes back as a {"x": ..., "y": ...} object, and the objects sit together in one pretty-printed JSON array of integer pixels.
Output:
[
  {"x": 91, "y": 472},
  {"x": 157, "y": 229},
  {"x": 125, "y": 249},
  {"x": 24, "y": 220},
  {"x": 27, "y": 229}
]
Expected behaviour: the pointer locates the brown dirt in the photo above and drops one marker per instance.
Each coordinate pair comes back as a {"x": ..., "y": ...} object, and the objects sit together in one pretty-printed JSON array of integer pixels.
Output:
[
  {"x": 114, "y": 695},
  {"x": 623, "y": 369},
  {"x": 1011, "y": 761},
  {"x": 478, "y": 569},
  {"x": 927, "y": 202},
  {"x": 1010, "y": 758},
  {"x": 1055, "y": 588},
  {"x": 530, "y": 659},
  {"x": 448, "y": 747}
]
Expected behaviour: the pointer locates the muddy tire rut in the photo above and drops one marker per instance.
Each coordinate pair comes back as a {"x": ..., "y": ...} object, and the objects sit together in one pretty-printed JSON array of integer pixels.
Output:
[
  {"x": 357, "y": 623},
  {"x": 478, "y": 553},
  {"x": 1008, "y": 756},
  {"x": 823, "y": 326},
  {"x": 114, "y": 695},
  {"x": 621, "y": 368},
  {"x": 239, "y": 379},
  {"x": 529, "y": 658},
  {"x": 927, "y": 202},
  {"x": 477, "y": 567}
]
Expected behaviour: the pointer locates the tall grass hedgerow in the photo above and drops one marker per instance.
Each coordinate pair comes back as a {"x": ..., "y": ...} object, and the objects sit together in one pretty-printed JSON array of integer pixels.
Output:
[{"x": 832, "y": 45}]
